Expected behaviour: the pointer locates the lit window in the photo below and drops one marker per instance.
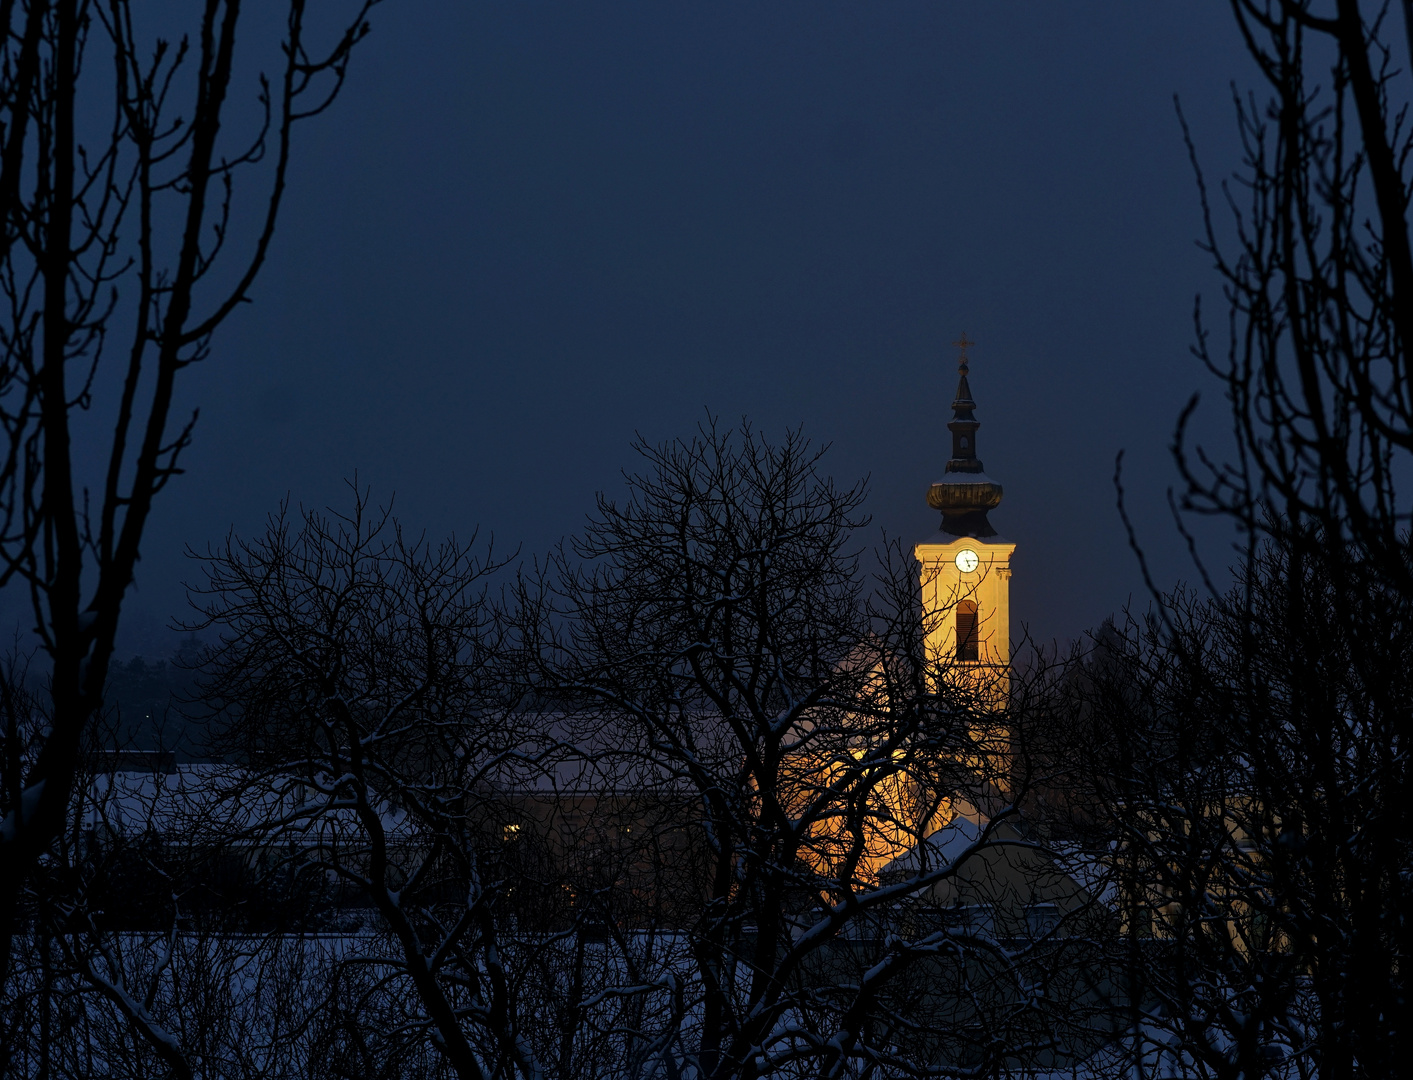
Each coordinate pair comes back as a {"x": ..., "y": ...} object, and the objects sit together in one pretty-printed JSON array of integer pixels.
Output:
[
  {"x": 510, "y": 832},
  {"x": 966, "y": 630}
]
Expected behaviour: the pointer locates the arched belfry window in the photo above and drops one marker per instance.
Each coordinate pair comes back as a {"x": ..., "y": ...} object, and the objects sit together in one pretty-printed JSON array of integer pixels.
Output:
[{"x": 966, "y": 630}]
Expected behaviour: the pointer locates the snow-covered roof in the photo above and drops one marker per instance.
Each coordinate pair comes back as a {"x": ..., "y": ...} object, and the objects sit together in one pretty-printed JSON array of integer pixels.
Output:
[
  {"x": 217, "y": 801},
  {"x": 964, "y": 478},
  {"x": 941, "y": 848}
]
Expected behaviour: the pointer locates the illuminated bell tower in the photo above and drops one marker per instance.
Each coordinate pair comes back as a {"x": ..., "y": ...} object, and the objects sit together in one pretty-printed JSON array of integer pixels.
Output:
[{"x": 966, "y": 567}]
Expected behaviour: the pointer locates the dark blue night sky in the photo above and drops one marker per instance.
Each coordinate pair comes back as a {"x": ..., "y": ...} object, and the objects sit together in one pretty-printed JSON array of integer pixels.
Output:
[{"x": 529, "y": 230}]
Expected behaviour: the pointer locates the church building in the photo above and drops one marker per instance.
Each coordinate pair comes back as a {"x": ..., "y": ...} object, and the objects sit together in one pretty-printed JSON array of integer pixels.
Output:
[{"x": 965, "y": 566}]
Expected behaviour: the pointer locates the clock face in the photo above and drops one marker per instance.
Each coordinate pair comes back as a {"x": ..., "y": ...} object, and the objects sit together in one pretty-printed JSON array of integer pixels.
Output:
[{"x": 967, "y": 560}]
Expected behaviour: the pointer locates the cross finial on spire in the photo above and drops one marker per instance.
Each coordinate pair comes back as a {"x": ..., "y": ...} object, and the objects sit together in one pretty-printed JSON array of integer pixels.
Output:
[{"x": 963, "y": 345}]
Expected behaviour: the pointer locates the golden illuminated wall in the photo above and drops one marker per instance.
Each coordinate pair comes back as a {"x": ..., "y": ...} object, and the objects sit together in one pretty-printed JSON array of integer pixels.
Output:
[
  {"x": 879, "y": 821},
  {"x": 897, "y": 815},
  {"x": 948, "y": 578}
]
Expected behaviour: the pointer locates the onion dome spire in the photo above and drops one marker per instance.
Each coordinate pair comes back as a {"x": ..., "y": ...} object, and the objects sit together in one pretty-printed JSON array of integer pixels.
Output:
[{"x": 965, "y": 493}]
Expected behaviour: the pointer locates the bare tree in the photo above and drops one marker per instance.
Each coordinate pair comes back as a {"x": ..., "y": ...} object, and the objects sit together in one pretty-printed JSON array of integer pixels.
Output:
[
  {"x": 1268, "y": 762},
  {"x": 1319, "y": 278},
  {"x": 360, "y": 670},
  {"x": 714, "y": 635},
  {"x": 1242, "y": 762},
  {"x": 160, "y": 945},
  {"x": 127, "y": 240}
]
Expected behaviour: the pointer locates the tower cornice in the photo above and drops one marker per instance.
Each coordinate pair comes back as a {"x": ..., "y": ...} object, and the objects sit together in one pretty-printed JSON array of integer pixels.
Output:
[{"x": 965, "y": 493}]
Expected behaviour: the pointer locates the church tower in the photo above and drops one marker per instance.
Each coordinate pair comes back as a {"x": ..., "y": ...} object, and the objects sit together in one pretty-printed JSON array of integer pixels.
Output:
[{"x": 966, "y": 567}]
